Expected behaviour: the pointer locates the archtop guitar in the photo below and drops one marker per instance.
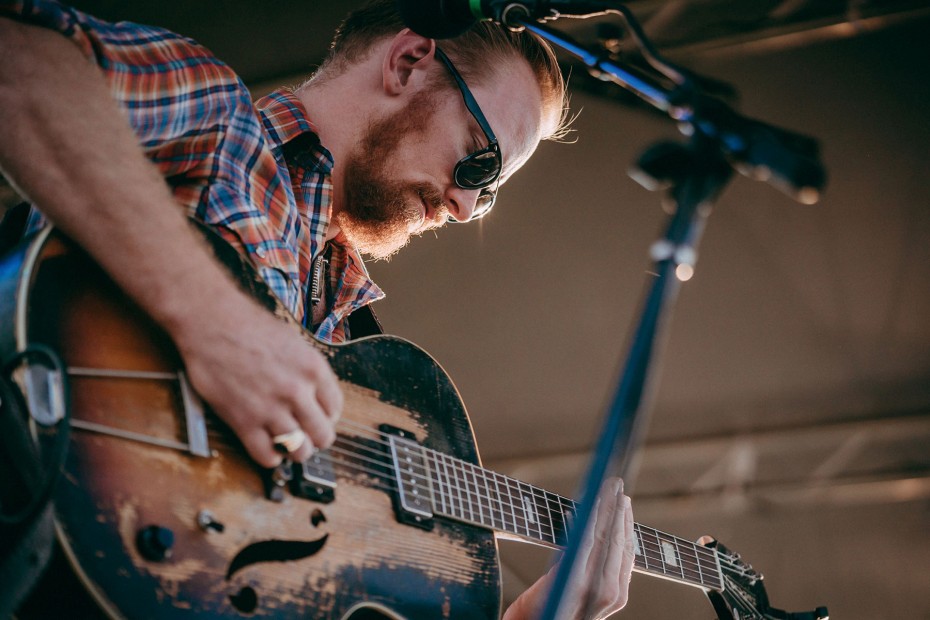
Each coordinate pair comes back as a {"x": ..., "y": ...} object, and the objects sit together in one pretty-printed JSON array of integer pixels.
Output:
[{"x": 161, "y": 514}]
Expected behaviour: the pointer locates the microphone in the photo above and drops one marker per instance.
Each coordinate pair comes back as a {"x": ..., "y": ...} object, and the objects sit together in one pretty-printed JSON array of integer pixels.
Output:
[{"x": 445, "y": 19}]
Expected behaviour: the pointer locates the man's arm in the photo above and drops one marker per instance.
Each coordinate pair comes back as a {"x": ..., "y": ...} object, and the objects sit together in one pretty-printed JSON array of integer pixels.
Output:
[
  {"x": 600, "y": 585},
  {"x": 66, "y": 146}
]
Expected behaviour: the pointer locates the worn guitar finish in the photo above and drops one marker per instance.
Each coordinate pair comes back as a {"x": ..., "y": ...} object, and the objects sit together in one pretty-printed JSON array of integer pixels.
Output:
[
  {"x": 293, "y": 558},
  {"x": 161, "y": 514}
]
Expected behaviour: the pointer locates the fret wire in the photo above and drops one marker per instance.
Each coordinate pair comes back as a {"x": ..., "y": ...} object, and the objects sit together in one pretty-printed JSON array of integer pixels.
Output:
[
  {"x": 534, "y": 500},
  {"x": 463, "y": 469},
  {"x": 521, "y": 507},
  {"x": 528, "y": 504},
  {"x": 684, "y": 560},
  {"x": 529, "y": 509},
  {"x": 506, "y": 502},
  {"x": 487, "y": 494},
  {"x": 458, "y": 491},
  {"x": 486, "y": 486},
  {"x": 471, "y": 495},
  {"x": 478, "y": 493},
  {"x": 654, "y": 534},
  {"x": 502, "y": 512},
  {"x": 479, "y": 496},
  {"x": 443, "y": 487},
  {"x": 437, "y": 482},
  {"x": 495, "y": 499},
  {"x": 642, "y": 546},
  {"x": 463, "y": 479},
  {"x": 449, "y": 485},
  {"x": 638, "y": 532},
  {"x": 671, "y": 541},
  {"x": 464, "y": 499},
  {"x": 511, "y": 509},
  {"x": 570, "y": 510},
  {"x": 544, "y": 510},
  {"x": 500, "y": 502},
  {"x": 536, "y": 513},
  {"x": 650, "y": 546},
  {"x": 547, "y": 503},
  {"x": 556, "y": 520},
  {"x": 566, "y": 517},
  {"x": 513, "y": 512},
  {"x": 714, "y": 570},
  {"x": 551, "y": 522},
  {"x": 442, "y": 492}
]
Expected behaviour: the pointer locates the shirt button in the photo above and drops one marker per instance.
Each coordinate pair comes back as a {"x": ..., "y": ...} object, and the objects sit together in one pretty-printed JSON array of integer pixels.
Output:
[{"x": 260, "y": 252}]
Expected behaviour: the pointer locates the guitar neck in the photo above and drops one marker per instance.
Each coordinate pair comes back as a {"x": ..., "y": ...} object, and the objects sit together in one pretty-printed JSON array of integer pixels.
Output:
[{"x": 471, "y": 494}]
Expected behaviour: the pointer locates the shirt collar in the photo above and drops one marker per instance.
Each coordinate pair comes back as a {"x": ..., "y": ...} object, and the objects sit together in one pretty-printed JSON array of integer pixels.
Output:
[
  {"x": 283, "y": 116},
  {"x": 295, "y": 144}
]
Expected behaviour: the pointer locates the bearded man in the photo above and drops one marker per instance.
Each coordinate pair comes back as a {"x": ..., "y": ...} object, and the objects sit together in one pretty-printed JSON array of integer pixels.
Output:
[{"x": 118, "y": 133}]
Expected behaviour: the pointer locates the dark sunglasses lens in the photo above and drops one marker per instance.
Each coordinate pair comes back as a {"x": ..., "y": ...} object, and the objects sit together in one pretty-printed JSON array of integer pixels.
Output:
[
  {"x": 483, "y": 204},
  {"x": 477, "y": 170}
]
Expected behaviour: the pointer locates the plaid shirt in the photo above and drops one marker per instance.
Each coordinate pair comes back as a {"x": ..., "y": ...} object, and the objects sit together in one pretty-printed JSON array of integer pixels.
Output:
[{"x": 257, "y": 174}]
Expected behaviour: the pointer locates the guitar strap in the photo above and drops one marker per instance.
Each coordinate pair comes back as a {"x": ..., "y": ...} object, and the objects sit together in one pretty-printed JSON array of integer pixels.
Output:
[
  {"x": 26, "y": 482},
  {"x": 364, "y": 322},
  {"x": 26, "y": 525}
]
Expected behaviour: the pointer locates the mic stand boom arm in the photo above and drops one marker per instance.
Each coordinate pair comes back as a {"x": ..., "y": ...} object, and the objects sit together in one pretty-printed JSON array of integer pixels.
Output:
[{"x": 695, "y": 173}]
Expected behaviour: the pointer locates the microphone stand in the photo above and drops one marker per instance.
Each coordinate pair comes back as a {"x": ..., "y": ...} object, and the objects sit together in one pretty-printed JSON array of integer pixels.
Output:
[{"x": 695, "y": 173}]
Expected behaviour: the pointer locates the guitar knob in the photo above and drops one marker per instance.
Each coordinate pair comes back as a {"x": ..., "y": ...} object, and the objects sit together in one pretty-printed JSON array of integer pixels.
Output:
[{"x": 154, "y": 543}]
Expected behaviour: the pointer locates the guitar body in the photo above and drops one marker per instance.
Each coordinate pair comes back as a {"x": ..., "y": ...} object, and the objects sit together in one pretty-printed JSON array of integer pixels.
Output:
[{"x": 154, "y": 531}]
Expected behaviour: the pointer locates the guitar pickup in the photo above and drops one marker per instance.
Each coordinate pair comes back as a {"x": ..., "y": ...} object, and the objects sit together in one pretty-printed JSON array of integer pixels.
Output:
[
  {"x": 314, "y": 478},
  {"x": 413, "y": 501}
]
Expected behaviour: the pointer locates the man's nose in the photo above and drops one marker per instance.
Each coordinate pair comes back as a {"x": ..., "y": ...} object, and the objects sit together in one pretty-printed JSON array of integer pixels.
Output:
[{"x": 461, "y": 203}]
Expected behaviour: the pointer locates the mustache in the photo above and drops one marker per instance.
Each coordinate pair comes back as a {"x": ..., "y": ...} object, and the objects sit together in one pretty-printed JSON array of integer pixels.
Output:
[{"x": 433, "y": 199}]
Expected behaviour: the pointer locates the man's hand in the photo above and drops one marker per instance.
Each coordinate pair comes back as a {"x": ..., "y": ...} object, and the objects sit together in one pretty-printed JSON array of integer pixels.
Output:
[
  {"x": 262, "y": 377},
  {"x": 600, "y": 585}
]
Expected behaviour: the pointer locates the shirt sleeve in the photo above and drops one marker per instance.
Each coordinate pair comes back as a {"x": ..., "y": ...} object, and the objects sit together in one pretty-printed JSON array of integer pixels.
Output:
[{"x": 179, "y": 99}]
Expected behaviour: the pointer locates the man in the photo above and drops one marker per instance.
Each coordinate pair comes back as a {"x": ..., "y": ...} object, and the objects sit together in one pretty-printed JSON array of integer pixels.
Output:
[{"x": 385, "y": 141}]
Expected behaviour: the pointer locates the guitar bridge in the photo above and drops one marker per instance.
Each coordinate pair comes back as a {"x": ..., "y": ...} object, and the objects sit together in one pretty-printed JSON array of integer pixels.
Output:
[{"x": 413, "y": 501}]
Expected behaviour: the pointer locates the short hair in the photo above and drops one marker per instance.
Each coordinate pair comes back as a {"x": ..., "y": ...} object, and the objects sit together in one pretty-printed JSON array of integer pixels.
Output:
[{"x": 472, "y": 52}]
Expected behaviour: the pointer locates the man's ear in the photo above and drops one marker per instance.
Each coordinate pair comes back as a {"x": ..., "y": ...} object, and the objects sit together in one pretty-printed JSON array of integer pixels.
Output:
[{"x": 406, "y": 62}]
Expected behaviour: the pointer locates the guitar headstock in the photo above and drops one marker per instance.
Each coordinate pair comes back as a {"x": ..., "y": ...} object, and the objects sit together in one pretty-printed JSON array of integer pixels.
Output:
[{"x": 743, "y": 596}]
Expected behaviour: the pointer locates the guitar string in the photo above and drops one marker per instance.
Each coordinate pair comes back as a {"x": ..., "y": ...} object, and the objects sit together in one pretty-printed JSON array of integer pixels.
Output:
[
  {"x": 466, "y": 493},
  {"x": 351, "y": 463},
  {"x": 648, "y": 555},
  {"x": 707, "y": 553},
  {"x": 651, "y": 549},
  {"x": 465, "y": 498}
]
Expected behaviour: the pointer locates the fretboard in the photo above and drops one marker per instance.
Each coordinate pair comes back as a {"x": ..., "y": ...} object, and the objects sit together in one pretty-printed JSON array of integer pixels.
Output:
[{"x": 469, "y": 493}]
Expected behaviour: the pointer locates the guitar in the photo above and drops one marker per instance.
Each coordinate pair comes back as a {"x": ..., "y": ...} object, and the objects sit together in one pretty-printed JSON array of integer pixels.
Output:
[{"x": 161, "y": 513}]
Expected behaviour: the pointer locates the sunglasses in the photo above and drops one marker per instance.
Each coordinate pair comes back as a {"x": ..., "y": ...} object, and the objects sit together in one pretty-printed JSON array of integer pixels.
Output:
[{"x": 481, "y": 169}]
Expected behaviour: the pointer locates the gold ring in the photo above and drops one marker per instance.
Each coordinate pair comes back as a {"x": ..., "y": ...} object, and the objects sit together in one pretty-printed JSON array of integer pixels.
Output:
[{"x": 290, "y": 441}]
